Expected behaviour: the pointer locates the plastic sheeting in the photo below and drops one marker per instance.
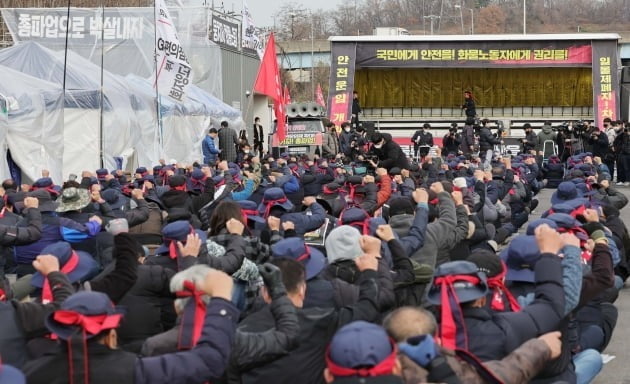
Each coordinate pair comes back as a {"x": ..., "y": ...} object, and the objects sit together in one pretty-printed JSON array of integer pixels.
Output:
[
  {"x": 31, "y": 124},
  {"x": 184, "y": 125},
  {"x": 128, "y": 117},
  {"x": 83, "y": 123}
]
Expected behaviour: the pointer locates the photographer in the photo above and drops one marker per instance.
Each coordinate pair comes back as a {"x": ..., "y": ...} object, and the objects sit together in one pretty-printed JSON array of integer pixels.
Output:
[
  {"x": 598, "y": 142},
  {"x": 487, "y": 141},
  {"x": 387, "y": 151},
  {"x": 530, "y": 140},
  {"x": 451, "y": 140},
  {"x": 546, "y": 134},
  {"x": 348, "y": 136},
  {"x": 422, "y": 138}
]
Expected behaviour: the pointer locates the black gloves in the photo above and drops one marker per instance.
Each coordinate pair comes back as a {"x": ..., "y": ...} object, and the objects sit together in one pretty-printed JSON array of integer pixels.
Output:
[{"x": 273, "y": 280}]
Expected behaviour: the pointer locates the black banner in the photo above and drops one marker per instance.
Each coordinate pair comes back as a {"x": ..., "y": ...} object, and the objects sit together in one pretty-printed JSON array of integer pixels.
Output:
[
  {"x": 342, "y": 66},
  {"x": 482, "y": 54},
  {"x": 224, "y": 33},
  {"x": 605, "y": 82}
]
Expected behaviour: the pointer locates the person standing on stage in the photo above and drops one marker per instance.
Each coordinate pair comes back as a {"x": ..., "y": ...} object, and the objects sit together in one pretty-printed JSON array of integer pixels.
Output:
[
  {"x": 259, "y": 137},
  {"x": 469, "y": 105},
  {"x": 356, "y": 109}
]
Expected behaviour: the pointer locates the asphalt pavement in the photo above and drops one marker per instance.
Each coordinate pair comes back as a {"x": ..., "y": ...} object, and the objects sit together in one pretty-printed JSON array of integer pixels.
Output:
[{"x": 616, "y": 370}]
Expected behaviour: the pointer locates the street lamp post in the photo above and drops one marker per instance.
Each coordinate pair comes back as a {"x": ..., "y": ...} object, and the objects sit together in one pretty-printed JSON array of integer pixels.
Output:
[
  {"x": 432, "y": 18},
  {"x": 312, "y": 57},
  {"x": 524, "y": 17},
  {"x": 472, "y": 21},
  {"x": 461, "y": 16}
]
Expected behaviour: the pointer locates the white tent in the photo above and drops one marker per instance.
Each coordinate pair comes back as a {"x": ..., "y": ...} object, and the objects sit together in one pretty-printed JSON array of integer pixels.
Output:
[
  {"x": 127, "y": 123},
  {"x": 31, "y": 124}
]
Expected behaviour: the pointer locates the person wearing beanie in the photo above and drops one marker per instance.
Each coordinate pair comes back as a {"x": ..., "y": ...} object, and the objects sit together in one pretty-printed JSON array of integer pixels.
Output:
[{"x": 342, "y": 248}]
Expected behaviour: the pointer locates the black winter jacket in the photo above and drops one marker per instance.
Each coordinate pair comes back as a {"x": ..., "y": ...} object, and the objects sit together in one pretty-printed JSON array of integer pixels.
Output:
[
  {"x": 492, "y": 336},
  {"x": 317, "y": 326}
]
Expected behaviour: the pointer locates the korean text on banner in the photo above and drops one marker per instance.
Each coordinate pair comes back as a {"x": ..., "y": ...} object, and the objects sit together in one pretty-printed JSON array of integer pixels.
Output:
[
  {"x": 250, "y": 39},
  {"x": 341, "y": 82},
  {"x": 173, "y": 71}
]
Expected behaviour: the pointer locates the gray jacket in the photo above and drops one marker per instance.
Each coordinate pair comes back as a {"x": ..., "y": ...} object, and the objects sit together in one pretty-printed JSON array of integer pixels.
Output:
[{"x": 228, "y": 140}]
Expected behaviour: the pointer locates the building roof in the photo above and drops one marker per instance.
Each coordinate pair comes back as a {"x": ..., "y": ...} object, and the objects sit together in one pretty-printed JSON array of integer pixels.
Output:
[{"x": 467, "y": 38}]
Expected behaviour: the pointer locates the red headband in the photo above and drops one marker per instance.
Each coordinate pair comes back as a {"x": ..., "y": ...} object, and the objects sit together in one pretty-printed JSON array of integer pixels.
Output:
[
  {"x": 90, "y": 324},
  {"x": 193, "y": 317},
  {"x": 70, "y": 266},
  {"x": 451, "y": 312},
  {"x": 270, "y": 203},
  {"x": 247, "y": 212},
  {"x": 385, "y": 367},
  {"x": 306, "y": 255},
  {"x": 497, "y": 285},
  {"x": 172, "y": 244}
]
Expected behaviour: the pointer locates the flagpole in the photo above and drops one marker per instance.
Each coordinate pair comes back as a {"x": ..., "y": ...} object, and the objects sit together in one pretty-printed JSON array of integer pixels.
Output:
[
  {"x": 65, "y": 53},
  {"x": 157, "y": 92},
  {"x": 101, "y": 144}
]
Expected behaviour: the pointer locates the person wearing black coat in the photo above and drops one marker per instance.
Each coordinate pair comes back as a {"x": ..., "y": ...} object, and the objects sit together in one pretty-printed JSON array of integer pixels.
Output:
[
  {"x": 469, "y": 105},
  {"x": 487, "y": 141},
  {"x": 22, "y": 320},
  {"x": 317, "y": 326},
  {"x": 98, "y": 360},
  {"x": 388, "y": 152},
  {"x": 491, "y": 335},
  {"x": 598, "y": 140},
  {"x": 29, "y": 232},
  {"x": 451, "y": 140}
]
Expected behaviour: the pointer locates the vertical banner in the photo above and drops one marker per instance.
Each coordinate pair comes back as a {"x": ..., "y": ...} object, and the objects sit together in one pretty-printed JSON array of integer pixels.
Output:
[
  {"x": 605, "y": 81},
  {"x": 341, "y": 82},
  {"x": 173, "y": 72},
  {"x": 319, "y": 96},
  {"x": 250, "y": 39}
]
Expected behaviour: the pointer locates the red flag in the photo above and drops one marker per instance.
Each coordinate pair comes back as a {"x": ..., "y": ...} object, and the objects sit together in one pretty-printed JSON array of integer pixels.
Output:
[
  {"x": 319, "y": 96},
  {"x": 287, "y": 95},
  {"x": 268, "y": 83}
]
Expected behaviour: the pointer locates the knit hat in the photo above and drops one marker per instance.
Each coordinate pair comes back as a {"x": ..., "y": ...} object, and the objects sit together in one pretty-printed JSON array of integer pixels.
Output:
[
  {"x": 361, "y": 349},
  {"x": 342, "y": 243},
  {"x": 460, "y": 182},
  {"x": 401, "y": 206}
]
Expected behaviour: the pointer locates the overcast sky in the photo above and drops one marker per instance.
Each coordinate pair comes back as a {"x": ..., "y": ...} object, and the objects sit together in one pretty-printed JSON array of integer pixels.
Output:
[{"x": 263, "y": 10}]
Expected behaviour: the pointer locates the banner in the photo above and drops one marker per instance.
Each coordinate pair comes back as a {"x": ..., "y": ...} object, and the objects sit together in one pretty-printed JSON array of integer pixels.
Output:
[
  {"x": 605, "y": 82},
  {"x": 173, "y": 71},
  {"x": 304, "y": 133},
  {"x": 341, "y": 82},
  {"x": 250, "y": 39},
  {"x": 47, "y": 24},
  {"x": 224, "y": 33},
  {"x": 420, "y": 54}
]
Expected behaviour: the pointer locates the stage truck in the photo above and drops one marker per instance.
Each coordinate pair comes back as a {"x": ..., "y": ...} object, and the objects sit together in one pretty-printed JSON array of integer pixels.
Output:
[
  {"x": 405, "y": 81},
  {"x": 305, "y": 130}
]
